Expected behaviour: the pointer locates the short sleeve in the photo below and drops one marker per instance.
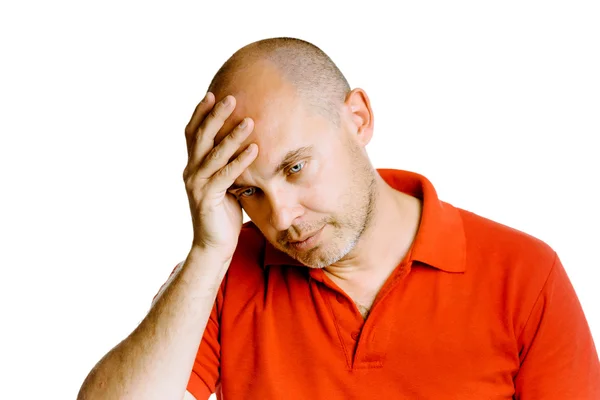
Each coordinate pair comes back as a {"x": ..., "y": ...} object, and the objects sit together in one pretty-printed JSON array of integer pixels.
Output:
[
  {"x": 204, "y": 377},
  {"x": 556, "y": 349}
]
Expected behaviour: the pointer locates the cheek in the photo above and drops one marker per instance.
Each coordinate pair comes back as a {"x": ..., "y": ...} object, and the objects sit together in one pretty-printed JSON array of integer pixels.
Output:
[{"x": 322, "y": 193}]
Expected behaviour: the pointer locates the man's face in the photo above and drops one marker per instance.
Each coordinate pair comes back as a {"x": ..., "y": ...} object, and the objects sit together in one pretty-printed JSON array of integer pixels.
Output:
[{"x": 310, "y": 190}]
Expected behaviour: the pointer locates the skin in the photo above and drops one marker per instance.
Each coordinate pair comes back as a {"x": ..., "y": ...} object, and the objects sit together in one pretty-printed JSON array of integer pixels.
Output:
[
  {"x": 365, "y": 226},
  {"x": 331, "y": 189}
]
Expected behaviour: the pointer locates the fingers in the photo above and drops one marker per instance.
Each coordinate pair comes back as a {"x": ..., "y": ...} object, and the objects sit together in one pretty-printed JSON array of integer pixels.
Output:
[
  {"x": 220, "y": 155},
  {"x": 224, "y": 178},
  {"x": 208, "y": 129},
  {"x": 201, "y": 111},
  {"x": 210, "y": 163}
]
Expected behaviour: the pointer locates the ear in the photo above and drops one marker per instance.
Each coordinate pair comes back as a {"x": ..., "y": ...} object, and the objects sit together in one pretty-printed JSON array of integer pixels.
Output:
[{"x": 361, "y": 121}]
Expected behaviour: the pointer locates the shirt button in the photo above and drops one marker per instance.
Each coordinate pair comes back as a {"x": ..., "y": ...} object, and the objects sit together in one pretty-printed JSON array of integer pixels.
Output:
[
  {"x": 354, "y": 335},
  {"x": 339, "y": 297}
]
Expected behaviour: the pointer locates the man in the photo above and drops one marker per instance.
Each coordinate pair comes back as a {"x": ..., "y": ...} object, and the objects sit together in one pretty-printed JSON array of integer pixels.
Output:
[{"x": 349, "y": 283}]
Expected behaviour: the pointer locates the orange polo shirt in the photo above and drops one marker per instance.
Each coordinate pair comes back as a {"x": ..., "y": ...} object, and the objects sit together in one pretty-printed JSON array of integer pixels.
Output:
[{"x": 476, "y": 310}]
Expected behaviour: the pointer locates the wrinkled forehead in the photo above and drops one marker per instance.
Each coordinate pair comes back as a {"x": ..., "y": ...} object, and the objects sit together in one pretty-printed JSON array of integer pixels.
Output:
[
  {"x": 282, "y": 119},
  {"x": 270, "y": 113},
  {"x": 281, "y": 123}
]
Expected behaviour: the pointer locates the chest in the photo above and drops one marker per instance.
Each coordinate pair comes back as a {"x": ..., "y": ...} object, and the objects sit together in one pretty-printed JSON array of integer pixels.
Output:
[{"x": 315, "y": 340}]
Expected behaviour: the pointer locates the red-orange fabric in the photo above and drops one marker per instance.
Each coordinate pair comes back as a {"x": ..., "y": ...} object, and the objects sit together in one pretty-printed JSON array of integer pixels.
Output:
[{"x": 476, "y": 310}]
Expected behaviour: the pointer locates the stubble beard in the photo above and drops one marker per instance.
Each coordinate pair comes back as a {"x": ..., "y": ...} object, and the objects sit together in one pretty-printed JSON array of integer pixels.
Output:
[{"x": 348, "y": 227}]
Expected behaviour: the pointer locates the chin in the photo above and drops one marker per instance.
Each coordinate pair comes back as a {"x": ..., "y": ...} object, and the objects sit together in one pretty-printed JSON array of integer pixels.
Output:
[{"x": 320, "y": 256}]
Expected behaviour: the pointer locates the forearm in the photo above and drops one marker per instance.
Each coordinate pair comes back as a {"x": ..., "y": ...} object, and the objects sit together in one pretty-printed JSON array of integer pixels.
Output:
[{"x": 155, "y": 360}]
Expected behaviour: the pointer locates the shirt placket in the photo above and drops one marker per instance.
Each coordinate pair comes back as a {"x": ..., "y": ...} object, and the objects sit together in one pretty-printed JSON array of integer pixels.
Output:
[{"x": 363, "y": 342}]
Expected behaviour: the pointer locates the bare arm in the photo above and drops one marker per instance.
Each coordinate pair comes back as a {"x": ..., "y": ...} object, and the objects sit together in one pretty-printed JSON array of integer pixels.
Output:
[{"x": 155, "y": 360}]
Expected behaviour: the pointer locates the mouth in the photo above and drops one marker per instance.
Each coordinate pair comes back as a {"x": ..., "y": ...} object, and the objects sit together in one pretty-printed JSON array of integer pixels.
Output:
[{"x": 308, "y": 241}]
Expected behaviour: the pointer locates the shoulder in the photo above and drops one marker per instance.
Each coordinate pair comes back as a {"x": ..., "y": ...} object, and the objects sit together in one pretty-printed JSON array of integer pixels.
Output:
[
  {"x": 506, "y": 266},
  {"x": 505, "y": 253},
  {"x": 496, "y": 241}
]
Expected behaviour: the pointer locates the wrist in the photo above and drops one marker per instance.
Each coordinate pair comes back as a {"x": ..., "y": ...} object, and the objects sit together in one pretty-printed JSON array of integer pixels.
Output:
[{"x": 211, "y": 256}]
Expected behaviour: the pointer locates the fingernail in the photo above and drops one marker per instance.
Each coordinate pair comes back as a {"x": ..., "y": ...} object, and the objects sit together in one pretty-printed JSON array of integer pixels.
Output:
[
  {"x": 227, "y": 101},
  {"x": 249, "y": 148},
  {"x": 205, "y": 97},
  {"x": 244, "y": 123}
]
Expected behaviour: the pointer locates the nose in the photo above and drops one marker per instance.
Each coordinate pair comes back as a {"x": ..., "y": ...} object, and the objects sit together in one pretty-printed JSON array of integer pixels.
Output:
[{"x": 284, "y": 210}]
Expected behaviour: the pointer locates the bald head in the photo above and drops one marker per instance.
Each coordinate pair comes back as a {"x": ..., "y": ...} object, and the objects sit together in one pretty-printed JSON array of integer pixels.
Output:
[{"x": 314, "y": 77}]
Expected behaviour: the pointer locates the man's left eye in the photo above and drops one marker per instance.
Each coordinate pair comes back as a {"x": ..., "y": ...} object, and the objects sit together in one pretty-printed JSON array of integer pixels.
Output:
[{"x": 297, "y": 168}]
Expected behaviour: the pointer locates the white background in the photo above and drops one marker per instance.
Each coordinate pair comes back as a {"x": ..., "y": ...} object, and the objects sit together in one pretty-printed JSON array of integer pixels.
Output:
[{"x": 497, "y": 103}]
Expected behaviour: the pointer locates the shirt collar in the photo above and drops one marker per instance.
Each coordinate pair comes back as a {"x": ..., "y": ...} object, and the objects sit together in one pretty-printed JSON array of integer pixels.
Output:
[{"x": 440, "y": 240}]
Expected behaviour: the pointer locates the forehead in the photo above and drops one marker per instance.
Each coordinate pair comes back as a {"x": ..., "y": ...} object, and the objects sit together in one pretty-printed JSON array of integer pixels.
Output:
[
  {"x": 260, "y": 94},
  {"x": 280, "y": 129},
  {"x": 282, "y": 122}
]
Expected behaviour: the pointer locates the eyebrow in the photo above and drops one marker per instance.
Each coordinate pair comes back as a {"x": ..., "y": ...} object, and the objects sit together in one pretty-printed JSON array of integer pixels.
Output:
[{"x": 290, "y": 157}]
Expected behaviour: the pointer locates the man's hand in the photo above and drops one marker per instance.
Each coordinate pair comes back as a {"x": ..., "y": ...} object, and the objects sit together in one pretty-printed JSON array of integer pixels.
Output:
[{"x": 216, "y": 214}]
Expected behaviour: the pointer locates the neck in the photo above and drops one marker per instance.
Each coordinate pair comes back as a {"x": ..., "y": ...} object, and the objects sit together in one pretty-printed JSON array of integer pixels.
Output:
[{"x": 383, "y": 244}]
